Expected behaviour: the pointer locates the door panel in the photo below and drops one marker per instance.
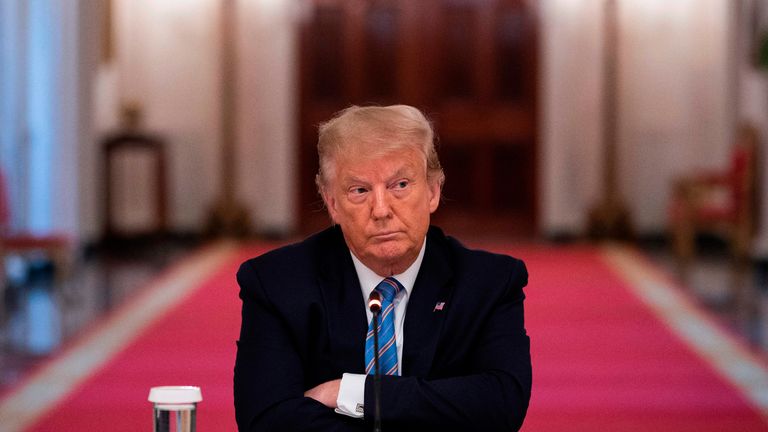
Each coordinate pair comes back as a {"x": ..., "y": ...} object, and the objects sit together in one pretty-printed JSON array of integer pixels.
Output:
[{"x": 470, "y": 65}]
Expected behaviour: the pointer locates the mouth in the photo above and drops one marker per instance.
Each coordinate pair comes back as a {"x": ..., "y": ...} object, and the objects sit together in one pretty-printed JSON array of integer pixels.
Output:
[{"x": 385, "y": 236}]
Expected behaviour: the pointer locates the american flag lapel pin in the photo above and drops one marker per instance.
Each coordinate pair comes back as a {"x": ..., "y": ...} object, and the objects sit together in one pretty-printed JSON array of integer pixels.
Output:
[{"x": 439, "y": 306}]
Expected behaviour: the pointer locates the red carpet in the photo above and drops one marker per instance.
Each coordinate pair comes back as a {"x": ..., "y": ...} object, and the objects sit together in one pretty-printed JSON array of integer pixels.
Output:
[
  {"x": 602, "y": 360},
  {"x": 194, "y": 344}
]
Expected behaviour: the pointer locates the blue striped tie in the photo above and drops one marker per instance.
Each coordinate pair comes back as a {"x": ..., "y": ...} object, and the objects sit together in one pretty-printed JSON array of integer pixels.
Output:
[{"x": 388, "y": 288}]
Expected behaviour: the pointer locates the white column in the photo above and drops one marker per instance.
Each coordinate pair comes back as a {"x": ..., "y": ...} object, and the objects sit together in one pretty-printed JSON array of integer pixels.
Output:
[
  {"x": 52, "y": 116},
  {"x": 13, "y": 103},
  {"x": 571, "y": 95},
  {"x": 267, "y": 106}
]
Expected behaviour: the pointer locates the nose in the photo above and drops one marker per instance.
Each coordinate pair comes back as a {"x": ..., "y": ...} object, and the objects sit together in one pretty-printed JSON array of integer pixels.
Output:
[{"x": 381, "y": 208}]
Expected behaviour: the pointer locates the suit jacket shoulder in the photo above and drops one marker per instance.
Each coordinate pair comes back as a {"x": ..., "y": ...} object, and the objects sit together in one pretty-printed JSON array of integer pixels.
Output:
[
  {"x": 477, "y": 269},
  {"x": 296, "y": 266}
]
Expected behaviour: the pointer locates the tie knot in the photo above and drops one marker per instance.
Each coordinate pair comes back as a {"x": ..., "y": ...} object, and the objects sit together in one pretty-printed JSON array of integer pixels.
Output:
[{"x": 388, "y": 288}]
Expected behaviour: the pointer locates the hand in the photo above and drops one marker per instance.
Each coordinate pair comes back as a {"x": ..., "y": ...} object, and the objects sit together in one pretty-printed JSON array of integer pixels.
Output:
[{"x": 326, "y": 393}]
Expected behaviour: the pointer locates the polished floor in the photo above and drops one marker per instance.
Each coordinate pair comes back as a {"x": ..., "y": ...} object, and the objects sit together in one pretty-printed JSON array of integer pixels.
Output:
[
  {"x": 39, "y": 316},
  {"x": 736, "y": 294}
]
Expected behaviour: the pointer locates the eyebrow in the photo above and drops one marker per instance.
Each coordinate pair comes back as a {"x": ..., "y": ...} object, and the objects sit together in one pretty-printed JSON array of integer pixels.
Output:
[{"x": 402, "y": 172}]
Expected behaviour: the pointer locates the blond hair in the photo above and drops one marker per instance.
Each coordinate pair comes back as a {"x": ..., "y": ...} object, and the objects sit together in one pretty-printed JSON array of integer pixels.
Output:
[{"x": 376, "y": 130}]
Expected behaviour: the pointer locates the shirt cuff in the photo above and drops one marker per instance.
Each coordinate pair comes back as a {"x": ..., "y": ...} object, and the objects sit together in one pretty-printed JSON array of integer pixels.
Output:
[{"x": 351, "y": 395}]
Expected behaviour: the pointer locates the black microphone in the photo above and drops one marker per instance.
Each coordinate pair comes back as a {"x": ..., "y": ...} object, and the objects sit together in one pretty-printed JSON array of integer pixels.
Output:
[{"x": 374, "y": 304}]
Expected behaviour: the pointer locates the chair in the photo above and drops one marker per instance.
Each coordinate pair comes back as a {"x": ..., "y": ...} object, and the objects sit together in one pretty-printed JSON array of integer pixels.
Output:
[
  {"x": 131, "y": 154},
  {"x": 55, "y": 246},
  {"x": 721, "y": 202}
]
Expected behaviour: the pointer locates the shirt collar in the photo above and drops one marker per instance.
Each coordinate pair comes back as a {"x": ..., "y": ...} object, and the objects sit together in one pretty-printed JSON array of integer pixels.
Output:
[{"x": 369, "y": 279}]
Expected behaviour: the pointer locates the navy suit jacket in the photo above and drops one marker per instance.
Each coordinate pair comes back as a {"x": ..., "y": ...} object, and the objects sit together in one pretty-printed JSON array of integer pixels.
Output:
[{"x": 465, "y": 367}]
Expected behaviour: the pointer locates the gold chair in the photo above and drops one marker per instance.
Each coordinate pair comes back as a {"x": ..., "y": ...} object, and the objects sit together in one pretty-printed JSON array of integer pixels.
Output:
[{"x": 721, "y": 202}]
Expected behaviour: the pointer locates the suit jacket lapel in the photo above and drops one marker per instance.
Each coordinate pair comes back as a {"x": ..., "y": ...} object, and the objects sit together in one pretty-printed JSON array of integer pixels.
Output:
[
  {"x": 344, "y": 305},
  {"x": 423, "y": 318}
]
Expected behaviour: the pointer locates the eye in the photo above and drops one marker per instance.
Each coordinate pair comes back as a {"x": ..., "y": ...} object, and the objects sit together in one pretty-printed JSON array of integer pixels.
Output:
[
  {"x": 400, "y": 184},
  {"x": 356, "y": 194}
]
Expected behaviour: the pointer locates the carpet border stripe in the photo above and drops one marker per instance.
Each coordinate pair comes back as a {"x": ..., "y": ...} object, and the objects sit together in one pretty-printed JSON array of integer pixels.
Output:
[{"x": 726, "y": 354}]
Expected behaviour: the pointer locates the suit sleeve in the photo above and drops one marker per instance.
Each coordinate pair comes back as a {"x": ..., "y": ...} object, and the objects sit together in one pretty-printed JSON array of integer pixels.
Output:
[
  {"x": 495, "y": 392},
  {"x": 268, "y": 376}
]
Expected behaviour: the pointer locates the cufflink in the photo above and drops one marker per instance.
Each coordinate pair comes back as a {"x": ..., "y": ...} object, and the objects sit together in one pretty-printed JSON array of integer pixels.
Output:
[{"x": 359, "y": 409}]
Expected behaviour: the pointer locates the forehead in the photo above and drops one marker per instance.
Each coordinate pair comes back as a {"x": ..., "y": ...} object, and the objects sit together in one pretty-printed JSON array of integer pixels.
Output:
[{"x": 373, "y": 165}]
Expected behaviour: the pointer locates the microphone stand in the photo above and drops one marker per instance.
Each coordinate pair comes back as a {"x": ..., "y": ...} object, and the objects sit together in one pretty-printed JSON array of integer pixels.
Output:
[
  {"x": 374, "y": 304},
  {"x": 376, "y": 375}
]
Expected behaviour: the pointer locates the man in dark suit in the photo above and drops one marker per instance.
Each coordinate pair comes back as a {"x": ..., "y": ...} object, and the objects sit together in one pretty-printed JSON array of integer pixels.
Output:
[{"x": 454, "y": 345}]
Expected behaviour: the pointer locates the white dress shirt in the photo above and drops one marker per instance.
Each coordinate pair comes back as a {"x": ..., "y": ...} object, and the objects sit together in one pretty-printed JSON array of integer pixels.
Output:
[{"x": 352, "y": 389}]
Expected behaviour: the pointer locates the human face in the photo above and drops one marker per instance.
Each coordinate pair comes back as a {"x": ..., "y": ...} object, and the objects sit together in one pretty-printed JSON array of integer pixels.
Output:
[{"x": 383, "y": 205}]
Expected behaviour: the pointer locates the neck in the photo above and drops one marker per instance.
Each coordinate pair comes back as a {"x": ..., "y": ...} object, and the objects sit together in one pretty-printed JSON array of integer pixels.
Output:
[{"x": 389, "y": 268}]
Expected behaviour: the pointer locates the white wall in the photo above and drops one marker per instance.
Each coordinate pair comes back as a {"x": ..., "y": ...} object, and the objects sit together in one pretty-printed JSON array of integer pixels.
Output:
[
  {"x": 68, "y": 124},
  {"x": 268, "y": 75},
  {"x": 571, "y": 101},
  {"x": 753, "y": 107},
  {"x": 167, "y": 59},
  {"x": 674, "y": 96}
]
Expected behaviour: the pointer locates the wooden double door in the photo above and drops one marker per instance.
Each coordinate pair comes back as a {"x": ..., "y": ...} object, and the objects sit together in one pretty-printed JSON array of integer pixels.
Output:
[{"x": 470, "y": 65}]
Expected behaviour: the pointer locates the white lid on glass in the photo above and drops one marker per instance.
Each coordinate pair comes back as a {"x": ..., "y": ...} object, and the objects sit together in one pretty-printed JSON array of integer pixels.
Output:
[{"x": 175, "y": 394}]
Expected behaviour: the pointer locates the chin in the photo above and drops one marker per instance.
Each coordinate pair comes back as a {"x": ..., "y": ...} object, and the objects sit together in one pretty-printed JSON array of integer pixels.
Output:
[{"x": 391, "y": 252}]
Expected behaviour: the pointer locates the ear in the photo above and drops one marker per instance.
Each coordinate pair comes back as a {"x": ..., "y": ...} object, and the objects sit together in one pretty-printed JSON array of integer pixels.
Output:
[
  {"x": 330, "y": 204},
  {"x": 434, "y": 195}
]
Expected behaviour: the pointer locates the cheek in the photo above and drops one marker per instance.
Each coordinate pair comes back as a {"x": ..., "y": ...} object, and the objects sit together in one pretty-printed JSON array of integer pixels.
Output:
[
  {"x": 352, "y": 217},
  {"x": 415, "y": 217}
]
